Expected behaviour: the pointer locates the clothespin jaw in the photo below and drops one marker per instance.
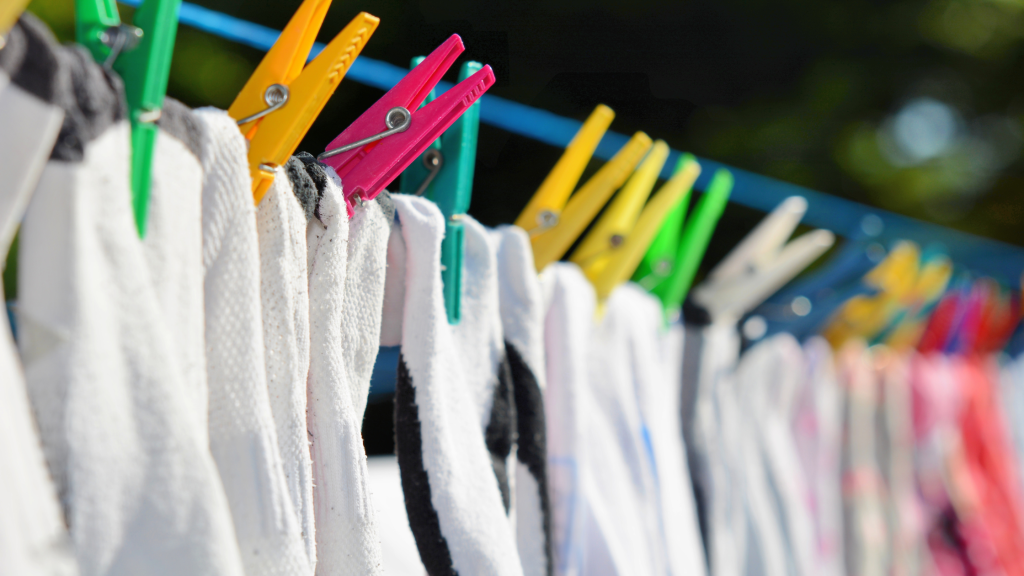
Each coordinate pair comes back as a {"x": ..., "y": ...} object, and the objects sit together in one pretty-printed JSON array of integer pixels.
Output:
[
  {"x": 620, "y": 217},
  {"x": 279, "y": 133},
  {"x": 281, "y": 65},
  {"x": 547, "y": 202},
  {"x": 656, "y": 265},
  {"x": 367, "y": 159},
  {"x": 98, "y": 27},
  {"x": 694, "y": 242},
  {"x": 621, "y": 265},
  {"x": 10, "y": 10},
  {"x": 145, "y": 70},
  {"x": 552, "y": 243},
  {"x": 762, "y": 245}
]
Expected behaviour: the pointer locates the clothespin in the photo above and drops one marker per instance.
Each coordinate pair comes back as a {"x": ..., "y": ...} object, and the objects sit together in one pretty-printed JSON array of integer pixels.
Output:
[
  {"x": 656, "y": 265},
  {"x": 281, "y": 100},
  {"x": 368, "y": 159},
  {"x": 141, "y": 54},
  {"x": 444, "y": 175},
  {"x": 546, "y": 205},
  {"x": 551, "y": 243},
  {"x": 10, "y": 10},
  {"x": 693, "y": 243},
  {"x": 617, "y": 267},
  {"x": 909, "y": 322}
]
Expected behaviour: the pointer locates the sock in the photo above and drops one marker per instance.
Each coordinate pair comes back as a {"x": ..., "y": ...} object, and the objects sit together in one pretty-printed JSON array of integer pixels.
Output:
[
  {"x": 174, "y": 242},
  {"x": 398, "y": 546},
  {"x": 450, "y": 445},
  {"x": 568, "y": 328},
  {"x": 284, "y": 294},
  {"x": 243, "y": 437},
  {"x": 139, "y": 490},
  {"x": 341, "y": 311},
  {"x": 522, "y": 320},
  {"x": 623, "y": 532},
  {"x": 33, "y": 538}
]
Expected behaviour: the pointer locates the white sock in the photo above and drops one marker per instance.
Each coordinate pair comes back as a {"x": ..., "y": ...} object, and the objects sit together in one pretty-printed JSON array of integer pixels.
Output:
[
  {"x": 522, "y": 319},
  {"x": 33, "y": 538},
  {"x": 284, "y": 292},
  {"x": 447, "y": 379},
  {"x": 174, "y": 242},
  {"x": 398, "y": 545},
  {"x": 243, "y": 437},
  {"x": 568, "y": 329},
  {"x": 341, "y": 310},
  {"x": 139, "y": 489}
]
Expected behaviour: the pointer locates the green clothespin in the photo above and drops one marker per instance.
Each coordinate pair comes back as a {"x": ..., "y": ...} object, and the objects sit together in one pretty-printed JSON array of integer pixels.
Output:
[
  {"x": 445, "y": 175},
  {"x": 670, "y": 264},
  {"x": 141, "y": 54}
]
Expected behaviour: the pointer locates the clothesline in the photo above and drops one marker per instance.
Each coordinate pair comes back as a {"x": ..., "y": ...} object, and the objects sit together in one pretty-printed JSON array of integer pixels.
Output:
[{"x": 844, "y": 217}]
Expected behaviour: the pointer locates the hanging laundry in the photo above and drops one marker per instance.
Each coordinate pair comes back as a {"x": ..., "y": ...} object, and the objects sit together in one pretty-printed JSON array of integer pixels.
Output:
[
  {"x": 346, "y": 264},
  {"x": 122, "y": 439},
  {"x": 522, "y": 321},
  {"x": 453, "y": 422},
  {"x": 243, "y": 437},
  {"x": 281, "y": 221}
]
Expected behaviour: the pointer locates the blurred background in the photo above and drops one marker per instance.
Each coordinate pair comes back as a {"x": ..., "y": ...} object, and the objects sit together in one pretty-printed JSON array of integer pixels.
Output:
[{"x": 914, "y": 106}]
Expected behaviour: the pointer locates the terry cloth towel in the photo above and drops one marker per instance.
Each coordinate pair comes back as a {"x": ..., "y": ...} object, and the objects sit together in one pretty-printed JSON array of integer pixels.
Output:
[
  {"x": 452, "y": 403},
  {"x": 140, "y": 493},
  {"x": 174, "y": 242},
  {"x": 33, "y": 538},
  {"x": 346, "y": 262},
  {"x": 656, "y": 359},
  {"x": 243, "y": 438},
  {"x": 284, "y": 295},
  {"x": 624, "y": 534},
  {"x": 398, "y": 546},
  {"x": 568, "y": 328},
  {"x": 522, "y": 320}
]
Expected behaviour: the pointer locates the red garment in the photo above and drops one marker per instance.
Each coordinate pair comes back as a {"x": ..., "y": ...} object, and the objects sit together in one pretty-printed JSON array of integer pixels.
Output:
[{"x": 996, "y": 520}]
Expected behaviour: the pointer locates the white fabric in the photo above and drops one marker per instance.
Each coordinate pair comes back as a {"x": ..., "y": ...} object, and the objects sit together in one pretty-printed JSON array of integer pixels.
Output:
[
  {"x": 284, "y": 294},
  {"x": 521, "y": 303},
  {"x": 174, "y": 255},
  {"x": 398, "y": 546},
  {"x": 624, "y": 534},
  {"x": 33, "y": 539},
  {"x": 453, "y": 374},
  {"x": 344, "y": 318},
  {"x": 243, "y": 438},
  {"x": 568, "y": 328},
  {"x": 122, "y": 439}
]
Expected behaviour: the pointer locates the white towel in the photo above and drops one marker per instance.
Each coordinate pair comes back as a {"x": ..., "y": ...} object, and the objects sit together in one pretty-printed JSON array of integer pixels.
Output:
[
  {"x": 33, "y": 538},
  {"x": 344, "y": 319},
  {"x": 568, "y": 329},
  {"x": 284, "y": 294},
  {"x": 243, "y": 438},
  {"x": 624, "y": 535},
  {"x": 448, "y": 381},
  {"x": 522, "y": 320},
  {"x": 174, "y": 242},
  {"x": 122, "y": 440}
]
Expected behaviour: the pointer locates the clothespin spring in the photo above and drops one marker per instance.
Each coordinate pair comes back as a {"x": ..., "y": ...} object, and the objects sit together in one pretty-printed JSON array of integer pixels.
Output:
[
  {"x": 546, "y": 220},
  {"x": 433, "y": 159},
  {"x": 275, "y": 96},
  {"x": 397, "y": 120}
]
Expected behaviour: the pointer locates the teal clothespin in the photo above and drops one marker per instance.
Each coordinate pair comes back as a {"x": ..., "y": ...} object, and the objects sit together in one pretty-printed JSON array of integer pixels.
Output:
[
  {"x": 445, "y": 175},
  {"x": 141, "y": 54}
]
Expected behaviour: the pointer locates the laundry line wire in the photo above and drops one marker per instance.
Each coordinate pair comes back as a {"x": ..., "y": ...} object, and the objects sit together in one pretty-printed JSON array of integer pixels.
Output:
[{"x": 846, "y": 218}]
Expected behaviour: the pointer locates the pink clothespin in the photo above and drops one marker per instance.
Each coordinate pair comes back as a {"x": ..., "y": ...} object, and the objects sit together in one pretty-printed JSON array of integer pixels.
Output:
[{"x": 368, "y": 159}]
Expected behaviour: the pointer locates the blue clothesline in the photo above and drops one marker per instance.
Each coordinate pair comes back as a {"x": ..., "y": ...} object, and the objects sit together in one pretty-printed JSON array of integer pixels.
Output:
[{"x": 844, "y": 217}]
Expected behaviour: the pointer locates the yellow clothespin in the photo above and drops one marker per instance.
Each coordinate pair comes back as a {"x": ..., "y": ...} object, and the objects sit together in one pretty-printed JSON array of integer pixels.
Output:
[
  {"x": 610, "y": 232},
  {"x": 546, "y": 205},
  {"x": 10, "y": 11},
  {"x": 281, "y": 100},
  {"x": 552, "y": 243},
  {"x": 865, "y": 316},
  {"x": 618, "y": 266}
]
